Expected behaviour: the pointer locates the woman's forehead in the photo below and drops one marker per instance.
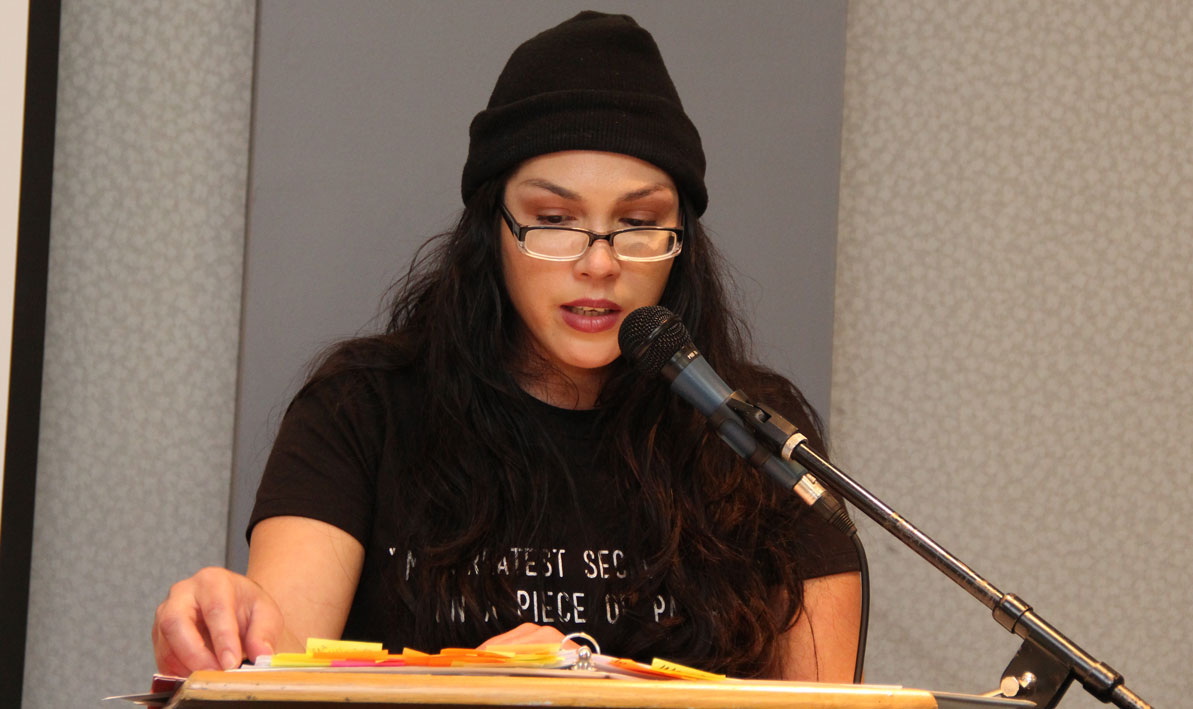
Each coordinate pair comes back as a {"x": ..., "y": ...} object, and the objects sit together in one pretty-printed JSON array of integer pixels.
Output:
[{"x": 575, "y": 174}]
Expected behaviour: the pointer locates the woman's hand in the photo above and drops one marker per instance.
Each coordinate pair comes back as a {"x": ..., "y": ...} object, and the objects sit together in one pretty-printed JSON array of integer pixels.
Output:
[
  {"x": 211, "y": 621},
  {"x": 301, "y": 579},
  {"x": 528, "y": 634}
]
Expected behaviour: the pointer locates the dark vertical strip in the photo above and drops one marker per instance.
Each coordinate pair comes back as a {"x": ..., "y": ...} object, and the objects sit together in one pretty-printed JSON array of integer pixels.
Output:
[
  {"x": 28, "y": 342},
  {"x": 234, "y": 535}
]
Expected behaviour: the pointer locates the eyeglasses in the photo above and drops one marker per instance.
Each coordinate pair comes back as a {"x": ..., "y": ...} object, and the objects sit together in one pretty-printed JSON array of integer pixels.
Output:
[{"x": 565, "y": 243}]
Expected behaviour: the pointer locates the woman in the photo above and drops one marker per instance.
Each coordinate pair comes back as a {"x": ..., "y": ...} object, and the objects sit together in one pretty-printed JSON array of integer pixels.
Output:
[{"x": 490, "y": 468}]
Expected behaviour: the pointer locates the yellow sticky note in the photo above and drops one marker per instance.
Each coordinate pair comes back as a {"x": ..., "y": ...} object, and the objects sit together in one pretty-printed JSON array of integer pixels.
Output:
[
  {"x": 325, "y": 646},
  {"x": 365, "y": 655},
  {"x": 297, "y": 659}
]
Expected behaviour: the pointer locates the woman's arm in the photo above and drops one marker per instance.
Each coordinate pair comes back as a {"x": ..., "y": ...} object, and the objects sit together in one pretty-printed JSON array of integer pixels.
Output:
[
  {"x": 301, "y": 579},
  {"x": 311, "y": 570},
  {"x": 822, "y": 646}
]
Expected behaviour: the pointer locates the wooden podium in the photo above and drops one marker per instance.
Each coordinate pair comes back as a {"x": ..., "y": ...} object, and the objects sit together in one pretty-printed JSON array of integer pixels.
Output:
[{"x": 286, "y": 689}]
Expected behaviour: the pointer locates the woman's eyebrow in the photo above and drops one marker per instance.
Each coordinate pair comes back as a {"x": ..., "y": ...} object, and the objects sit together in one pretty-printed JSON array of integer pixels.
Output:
[
  {"x": 553, "y": 188},
  {"x": 644, "y": 192}
]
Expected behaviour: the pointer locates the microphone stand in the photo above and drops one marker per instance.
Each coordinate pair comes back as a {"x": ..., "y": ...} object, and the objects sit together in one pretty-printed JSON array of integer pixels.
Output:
[{"x": 1047, "y": 661}]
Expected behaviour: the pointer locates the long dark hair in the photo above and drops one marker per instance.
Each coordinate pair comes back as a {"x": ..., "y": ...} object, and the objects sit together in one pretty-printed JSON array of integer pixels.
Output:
[{"x": 718, "y": 536}]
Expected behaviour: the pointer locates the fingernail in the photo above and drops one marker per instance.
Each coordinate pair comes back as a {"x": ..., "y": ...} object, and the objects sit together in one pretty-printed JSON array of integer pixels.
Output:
[{"x": 229, "y": 660}]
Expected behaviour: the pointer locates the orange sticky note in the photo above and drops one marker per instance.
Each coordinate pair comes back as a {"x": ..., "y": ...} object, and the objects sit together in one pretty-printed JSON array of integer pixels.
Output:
[{"x": 683, "y": 671}]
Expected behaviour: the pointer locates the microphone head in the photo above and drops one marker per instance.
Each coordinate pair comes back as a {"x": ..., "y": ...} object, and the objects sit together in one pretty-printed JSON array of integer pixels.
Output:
[{"x": 649, "y": 336}]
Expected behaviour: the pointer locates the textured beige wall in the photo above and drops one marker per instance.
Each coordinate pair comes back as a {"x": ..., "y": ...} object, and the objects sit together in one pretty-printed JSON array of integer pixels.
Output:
[
  {"x": 142, "y": 329},
  {"x": 1013, "y": 354}
]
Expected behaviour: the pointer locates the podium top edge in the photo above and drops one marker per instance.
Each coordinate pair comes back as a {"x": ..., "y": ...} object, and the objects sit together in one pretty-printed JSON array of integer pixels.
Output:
[{"x": 445, "y": 691}]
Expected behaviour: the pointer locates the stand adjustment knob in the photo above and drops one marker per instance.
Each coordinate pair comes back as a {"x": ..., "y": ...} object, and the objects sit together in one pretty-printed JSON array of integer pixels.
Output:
[{"x": 1011, "y": 685}]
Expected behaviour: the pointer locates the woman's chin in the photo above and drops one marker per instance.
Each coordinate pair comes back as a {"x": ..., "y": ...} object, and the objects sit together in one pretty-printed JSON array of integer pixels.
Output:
[{"x": 594, "y": 362}]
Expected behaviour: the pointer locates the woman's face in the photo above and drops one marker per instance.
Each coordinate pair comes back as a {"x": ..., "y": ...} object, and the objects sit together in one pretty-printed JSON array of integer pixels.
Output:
[{"x": 572, "y": 310}]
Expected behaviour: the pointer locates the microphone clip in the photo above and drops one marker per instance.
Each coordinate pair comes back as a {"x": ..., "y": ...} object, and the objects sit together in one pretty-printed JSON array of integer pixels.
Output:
[
  {"x": 776, "y": 433},
  {"x": 777, "y": 436}
]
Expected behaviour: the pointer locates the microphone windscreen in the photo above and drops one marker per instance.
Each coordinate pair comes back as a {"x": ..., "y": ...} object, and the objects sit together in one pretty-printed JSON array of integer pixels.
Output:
[{"x": 649, "y": 336}]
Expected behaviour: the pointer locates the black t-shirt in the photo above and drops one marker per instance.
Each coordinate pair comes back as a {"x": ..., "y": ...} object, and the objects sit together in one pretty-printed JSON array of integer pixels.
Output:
[{"x": 333, "y": 461}]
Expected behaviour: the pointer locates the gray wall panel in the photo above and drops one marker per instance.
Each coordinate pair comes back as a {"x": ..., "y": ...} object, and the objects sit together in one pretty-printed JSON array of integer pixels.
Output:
[
  {"x": 142, "y": 327},
  {"x": 1012, "y": 367}
]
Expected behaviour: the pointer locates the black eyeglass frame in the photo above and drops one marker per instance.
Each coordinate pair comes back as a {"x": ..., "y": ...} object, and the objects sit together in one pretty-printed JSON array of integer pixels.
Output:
[{"x": 521, "y": 230}]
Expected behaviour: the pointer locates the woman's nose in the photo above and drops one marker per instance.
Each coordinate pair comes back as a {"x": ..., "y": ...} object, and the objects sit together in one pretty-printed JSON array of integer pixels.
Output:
[{"x": 599, "y": 261}]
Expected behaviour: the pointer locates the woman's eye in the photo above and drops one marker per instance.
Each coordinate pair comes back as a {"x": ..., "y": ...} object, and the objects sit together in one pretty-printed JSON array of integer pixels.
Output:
[
  {"x": 553, "y": 219},
  {"x": 638, "y": 222}
]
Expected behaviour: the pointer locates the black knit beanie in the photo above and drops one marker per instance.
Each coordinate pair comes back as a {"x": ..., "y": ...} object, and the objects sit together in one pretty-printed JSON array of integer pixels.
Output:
[{"x": 594, "y": 82}]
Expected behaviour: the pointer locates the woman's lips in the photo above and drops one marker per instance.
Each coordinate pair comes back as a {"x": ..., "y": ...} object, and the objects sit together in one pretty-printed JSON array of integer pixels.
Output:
[{"x": 591, "y": 315}]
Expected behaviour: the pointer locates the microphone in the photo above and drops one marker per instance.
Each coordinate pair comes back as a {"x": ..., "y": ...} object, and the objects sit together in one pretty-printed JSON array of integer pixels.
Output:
[{"x": 654, "y": 339}]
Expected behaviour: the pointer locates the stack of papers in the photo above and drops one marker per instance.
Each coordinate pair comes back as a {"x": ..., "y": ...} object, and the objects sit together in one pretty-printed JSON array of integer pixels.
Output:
[
  {"x": 547, "y": 660},
  {"x": 495, "y": 659}
]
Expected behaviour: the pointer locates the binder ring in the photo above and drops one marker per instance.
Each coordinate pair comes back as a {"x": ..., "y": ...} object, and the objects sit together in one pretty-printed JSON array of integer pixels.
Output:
[{"x": 584, "y": 654}]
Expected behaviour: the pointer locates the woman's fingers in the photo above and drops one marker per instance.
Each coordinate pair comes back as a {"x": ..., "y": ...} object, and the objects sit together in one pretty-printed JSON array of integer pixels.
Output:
[
  {"x": 264, "y": 627},
  {"x": 218, "y": 601},
  {"x": 168, "y": 664},
  {"x": 178, "y": 644},
  {"x": 203, "y": 621}
]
